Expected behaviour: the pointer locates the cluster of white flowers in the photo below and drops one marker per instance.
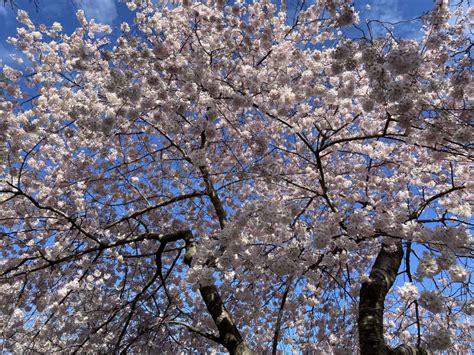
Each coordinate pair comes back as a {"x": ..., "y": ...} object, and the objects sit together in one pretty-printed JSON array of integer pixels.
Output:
[
  {"x": 55, "y": 29},
  {"x": 24, "y": 18},
  {"x": 200, "y": 275},
  {"x": 469, "y": 307},
  {"x": 458, "y": 273},
  {"x": 427, "y": 266},
  {"x": 283, "y": 266},
  {"x": 198, "y": 157},
  {"x": 404, "y": 59},
  {"x": 457, "y": 238},
  {"x": 408, "y": 292},
  {"x": 125, "y": 27},
  {"x": 347, "y": 16},
  {"x": 344, "y": 51},
  {"x": 397, "y": 89},
  {"x": 431, "y": 301},
  {"x": 445, "y": 260},
  {"x": 10, "y": 73},
  {"x": 439, "y": 339},
  {"x": 72, "y": 285}
]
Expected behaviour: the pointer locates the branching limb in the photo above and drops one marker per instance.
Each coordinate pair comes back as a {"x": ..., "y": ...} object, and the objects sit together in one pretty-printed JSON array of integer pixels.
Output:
[
  {"x": 276, "y": 334},
  {"x": 372, "y": 299},
  {"x": 207, "y": 335}
]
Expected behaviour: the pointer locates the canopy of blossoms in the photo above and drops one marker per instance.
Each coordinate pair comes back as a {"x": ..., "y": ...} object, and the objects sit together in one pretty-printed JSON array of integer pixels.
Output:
[{"x": 224, "y": 177}]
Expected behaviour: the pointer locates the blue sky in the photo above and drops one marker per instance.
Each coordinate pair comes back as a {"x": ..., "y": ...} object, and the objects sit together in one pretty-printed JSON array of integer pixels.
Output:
[
  {"x": 105, "y": 11},
  {"x": 114, "y": 12},
  {"x": 394, "y": 11}
]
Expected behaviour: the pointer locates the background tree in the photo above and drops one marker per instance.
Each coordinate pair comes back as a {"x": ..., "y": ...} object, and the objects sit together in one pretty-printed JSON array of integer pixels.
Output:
[{"x": 223, "y": 176}]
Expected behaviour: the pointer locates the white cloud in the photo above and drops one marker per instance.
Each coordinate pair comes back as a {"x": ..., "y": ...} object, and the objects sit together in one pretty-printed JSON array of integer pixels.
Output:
[
  {"x": 103, "y": 11},
  {"x": 386, "y": 11},
  {"x": 390, "y": 13}
]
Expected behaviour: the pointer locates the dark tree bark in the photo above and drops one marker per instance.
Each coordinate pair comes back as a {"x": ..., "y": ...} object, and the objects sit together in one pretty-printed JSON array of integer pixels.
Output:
[
  {"x": 371, "y": 304},
  {"x": 229, "y": 335}
]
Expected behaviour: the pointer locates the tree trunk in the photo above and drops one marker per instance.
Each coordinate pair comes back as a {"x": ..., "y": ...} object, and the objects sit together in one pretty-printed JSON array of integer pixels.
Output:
[
  {"x": 371, "y": 304},
  {"x": 229, "y": 335}
]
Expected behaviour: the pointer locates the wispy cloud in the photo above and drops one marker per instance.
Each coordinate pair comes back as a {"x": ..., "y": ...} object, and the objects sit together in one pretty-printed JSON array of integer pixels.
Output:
[
  {"x": 386, "y": 10},
  {"x": 103, "y": 11},
  {"x": 392, "y": 12}
]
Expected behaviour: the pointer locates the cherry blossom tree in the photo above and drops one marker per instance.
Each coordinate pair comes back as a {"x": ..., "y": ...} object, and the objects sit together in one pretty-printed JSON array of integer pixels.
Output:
[{"x": 228, "y": 177}]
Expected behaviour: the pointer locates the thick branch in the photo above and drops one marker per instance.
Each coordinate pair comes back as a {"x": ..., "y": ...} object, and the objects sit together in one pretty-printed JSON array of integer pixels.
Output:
[
  {"x": 371, "y": 306},
  {"x": 154, "y": 207},
  {"x": 185, "y": 235},
  {"x": 229, "y": 335},
  {"x": 276, "y": 334},
  {"x": 209, "y": 336},
  {"x": 214, "y": 197}
]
